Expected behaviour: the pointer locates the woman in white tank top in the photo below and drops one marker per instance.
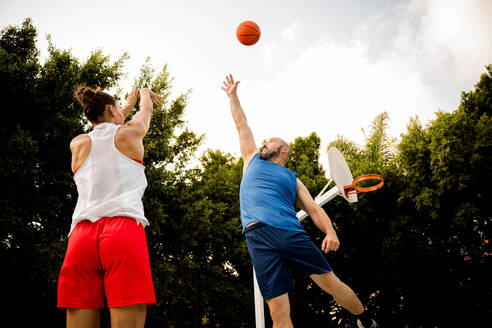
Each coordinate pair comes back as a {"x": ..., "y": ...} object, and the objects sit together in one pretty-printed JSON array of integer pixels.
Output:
[{"x": 110, "y": 179}]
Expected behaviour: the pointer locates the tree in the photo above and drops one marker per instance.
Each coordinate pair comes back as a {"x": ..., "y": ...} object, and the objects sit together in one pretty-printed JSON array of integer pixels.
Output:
[
  {"x": 304, "y": 160},
  {"x": 446, "y": 167},
  {"x": 41, "y": 118},
  {"x": 197, "y": 254}
]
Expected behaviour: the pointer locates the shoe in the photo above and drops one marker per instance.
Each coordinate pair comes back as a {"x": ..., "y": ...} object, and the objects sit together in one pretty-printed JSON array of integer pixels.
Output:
[{"x": 373, "y": 325}]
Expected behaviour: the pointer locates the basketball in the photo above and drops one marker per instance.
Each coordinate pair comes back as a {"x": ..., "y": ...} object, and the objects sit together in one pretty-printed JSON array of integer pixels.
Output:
[{"x": 248, "y": 33}]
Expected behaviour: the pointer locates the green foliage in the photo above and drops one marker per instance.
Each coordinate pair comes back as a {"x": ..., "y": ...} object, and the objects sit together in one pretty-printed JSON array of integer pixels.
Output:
[
  {"x": 304, "y": 159},
  {"x": 446, "y": 167},
  {"x": 376, "y": 155},
  {"x": 425, "y": 233}
]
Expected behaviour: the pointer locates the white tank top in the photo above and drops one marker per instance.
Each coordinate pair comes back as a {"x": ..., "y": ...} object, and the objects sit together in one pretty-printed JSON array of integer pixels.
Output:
[{"x": 108, "y": 182}]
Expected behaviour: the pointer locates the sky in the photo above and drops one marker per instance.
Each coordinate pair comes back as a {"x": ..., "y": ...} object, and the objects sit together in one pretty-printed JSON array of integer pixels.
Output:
[{"x": 320, "y": 65}]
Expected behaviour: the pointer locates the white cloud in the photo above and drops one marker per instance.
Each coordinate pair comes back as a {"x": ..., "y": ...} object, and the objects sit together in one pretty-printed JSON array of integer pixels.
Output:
[
  {"x": 448, "y": 42},
  {"x": 268, "y": 54},
  {"x": 334, "y": 89},
  {"x": 457, "y": 35},
  {"x": 435, "y": 50},
  {"x": 290, "y": 32}
]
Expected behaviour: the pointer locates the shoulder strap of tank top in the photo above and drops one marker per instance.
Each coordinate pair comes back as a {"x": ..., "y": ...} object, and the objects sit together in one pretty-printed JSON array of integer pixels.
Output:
[{"x": 116, "y": 128}]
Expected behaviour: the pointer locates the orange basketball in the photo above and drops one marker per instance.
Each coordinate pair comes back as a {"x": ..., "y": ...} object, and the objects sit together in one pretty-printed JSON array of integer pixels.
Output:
[{"x": 248, "y": 33}]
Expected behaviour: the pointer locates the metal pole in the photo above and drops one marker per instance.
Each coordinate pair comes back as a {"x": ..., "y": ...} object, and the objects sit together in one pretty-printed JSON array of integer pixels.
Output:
[
  {"x": 259, "y": 304},
  {"x": 321, "y": 200}
]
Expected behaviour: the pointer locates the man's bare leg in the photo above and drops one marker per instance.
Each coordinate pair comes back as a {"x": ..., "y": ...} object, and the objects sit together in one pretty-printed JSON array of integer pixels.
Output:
[
  {"x": 131, "y": 316},
  {"x": 342, "y": 293},
  {"x": 280, "y": 311},
  {"x": 83, "y": 318}
]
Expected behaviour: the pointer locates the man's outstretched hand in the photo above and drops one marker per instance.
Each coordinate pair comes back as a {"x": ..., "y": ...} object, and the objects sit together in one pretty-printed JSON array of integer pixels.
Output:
[{"x": 230, "y": 86}]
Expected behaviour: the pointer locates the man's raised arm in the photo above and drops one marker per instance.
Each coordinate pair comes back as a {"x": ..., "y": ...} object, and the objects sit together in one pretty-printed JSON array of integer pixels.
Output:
[{"x": 246, "y": 141}]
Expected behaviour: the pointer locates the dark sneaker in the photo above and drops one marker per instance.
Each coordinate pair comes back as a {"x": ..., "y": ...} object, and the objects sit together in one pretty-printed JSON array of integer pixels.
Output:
[{"x": 373, "y": 325}]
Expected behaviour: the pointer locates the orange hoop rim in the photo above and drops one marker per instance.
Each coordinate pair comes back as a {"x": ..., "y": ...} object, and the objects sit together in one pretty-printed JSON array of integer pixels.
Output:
[{"x": 357, "y": 180}]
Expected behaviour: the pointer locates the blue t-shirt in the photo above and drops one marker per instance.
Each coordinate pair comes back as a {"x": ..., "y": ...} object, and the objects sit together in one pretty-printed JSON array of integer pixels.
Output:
[{"x": 268, "y": 194}]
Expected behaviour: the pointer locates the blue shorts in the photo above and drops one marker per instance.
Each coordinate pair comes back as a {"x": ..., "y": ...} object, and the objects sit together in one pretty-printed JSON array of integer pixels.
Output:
[{"x": 272, "y": 249}]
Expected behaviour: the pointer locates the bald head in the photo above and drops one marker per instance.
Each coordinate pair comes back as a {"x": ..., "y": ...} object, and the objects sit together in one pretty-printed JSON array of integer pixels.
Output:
[
  {"x": 275, "y": 150},
  {"x": 282, "y": 142}
]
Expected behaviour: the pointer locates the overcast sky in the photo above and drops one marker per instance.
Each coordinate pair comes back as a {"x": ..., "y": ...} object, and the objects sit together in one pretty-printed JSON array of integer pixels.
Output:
[{"x": 324, "y": 66}]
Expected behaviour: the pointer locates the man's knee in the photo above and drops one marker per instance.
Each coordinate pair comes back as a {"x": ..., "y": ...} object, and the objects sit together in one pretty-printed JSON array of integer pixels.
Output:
[
  {"x": 328, "y": 281},
  {"x": 279, "y": 308},
  {"x": 279, "y": 313}
]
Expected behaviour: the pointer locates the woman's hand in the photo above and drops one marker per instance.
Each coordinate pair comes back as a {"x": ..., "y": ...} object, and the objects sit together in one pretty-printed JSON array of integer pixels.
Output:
[{"x": 155, "y": 98}]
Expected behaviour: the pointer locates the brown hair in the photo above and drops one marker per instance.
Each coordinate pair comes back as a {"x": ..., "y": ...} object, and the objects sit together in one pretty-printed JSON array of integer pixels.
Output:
[{"x": 93, "y": 101}]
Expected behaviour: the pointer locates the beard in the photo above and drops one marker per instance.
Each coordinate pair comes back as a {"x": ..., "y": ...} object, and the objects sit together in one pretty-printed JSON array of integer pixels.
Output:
[{"x": 267, "y": 154}]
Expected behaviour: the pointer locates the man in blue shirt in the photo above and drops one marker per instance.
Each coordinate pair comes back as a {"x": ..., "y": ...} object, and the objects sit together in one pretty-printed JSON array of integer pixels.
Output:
[{"x": 268, "y": 195}]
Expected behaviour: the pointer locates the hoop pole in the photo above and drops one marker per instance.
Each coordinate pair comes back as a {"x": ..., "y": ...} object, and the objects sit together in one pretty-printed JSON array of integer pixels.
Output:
[
  {"x": 321, "y": 200},
  {"x": 259, "y": 306},
  {"x": 324, "y": 188}
]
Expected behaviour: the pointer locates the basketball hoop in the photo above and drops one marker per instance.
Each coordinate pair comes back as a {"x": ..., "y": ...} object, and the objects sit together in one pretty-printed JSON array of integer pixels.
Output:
[{"x": 353, "y": 187}]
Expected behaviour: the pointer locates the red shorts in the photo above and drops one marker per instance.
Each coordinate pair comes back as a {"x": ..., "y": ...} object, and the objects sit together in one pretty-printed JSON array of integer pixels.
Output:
[{"x": 109, "y": 258}]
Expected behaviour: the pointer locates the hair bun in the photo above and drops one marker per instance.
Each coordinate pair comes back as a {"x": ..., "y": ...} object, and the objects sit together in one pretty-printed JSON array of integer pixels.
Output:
[
  {"x": 86, "y": 95},
  {"x": 93, "y": 101}
]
